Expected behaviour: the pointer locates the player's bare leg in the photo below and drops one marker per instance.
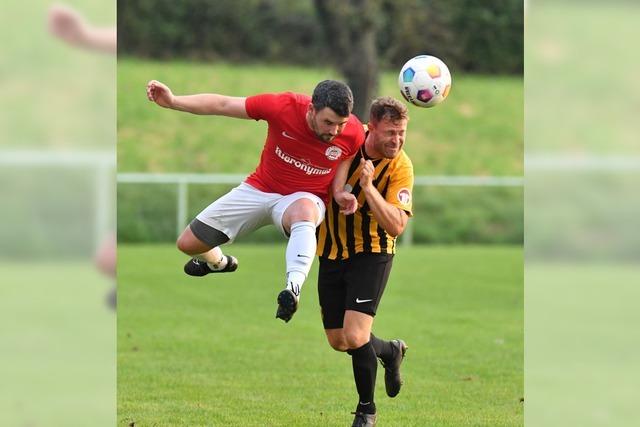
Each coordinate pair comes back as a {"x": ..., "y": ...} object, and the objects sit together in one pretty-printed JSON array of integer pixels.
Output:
[
  {"x": 106, "y": 261},
  {"x": 299, "y": 221},
  {"x": 205, "y": 259}
]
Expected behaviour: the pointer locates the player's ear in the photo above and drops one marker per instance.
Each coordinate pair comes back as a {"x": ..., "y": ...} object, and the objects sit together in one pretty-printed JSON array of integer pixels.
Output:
[{"x": 371, "y": 126}]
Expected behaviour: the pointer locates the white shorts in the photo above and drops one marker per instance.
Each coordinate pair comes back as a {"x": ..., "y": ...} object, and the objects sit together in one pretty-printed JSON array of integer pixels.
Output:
[{"x": 245, "y": 209}]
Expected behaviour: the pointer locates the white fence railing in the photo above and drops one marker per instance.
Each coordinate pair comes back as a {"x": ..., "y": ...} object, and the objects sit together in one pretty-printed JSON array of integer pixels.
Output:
[
  {"x": 99, "y": 164},
  {"x": 183, "y": 180}
]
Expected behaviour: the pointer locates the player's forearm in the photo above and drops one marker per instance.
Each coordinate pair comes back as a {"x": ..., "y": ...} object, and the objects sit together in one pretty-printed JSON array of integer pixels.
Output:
[
  {"x": 103, "y": 39},
  {"x": 211, "y": 104},
  {"x": 340, "y": 178},
  {"x": 390, "y": 218},
  {"x": 203, "y": 103}
]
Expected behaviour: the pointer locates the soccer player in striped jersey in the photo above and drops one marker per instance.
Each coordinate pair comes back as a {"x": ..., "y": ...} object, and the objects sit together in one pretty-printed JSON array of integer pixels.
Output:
[{"x": 356, "y": 252}]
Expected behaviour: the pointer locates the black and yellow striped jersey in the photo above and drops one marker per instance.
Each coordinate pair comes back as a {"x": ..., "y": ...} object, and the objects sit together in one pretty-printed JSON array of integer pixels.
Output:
[{"x": 341, "y": 236}]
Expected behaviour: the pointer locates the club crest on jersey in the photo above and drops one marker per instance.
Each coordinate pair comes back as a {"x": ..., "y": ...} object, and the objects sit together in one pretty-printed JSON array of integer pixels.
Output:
[
  {"x": 404, "y": 196},
  {"x": 333, "y": 153}
]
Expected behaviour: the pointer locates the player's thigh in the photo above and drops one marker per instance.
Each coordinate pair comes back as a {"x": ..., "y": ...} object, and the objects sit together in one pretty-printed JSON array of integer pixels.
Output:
[
  {"x": 331, "y": 292},
  {"x": 299, "y": 206},
  {"x": 204, "y": 234},
  {"x": 239, "y": 212},
  {"x": 191, "y": 242},
  {"x": 366, "y": 280}
]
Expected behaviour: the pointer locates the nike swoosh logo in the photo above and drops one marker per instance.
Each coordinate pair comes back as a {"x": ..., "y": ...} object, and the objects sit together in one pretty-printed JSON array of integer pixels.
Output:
[
  {"x": 295, "y": 289},
  {"x": 303, "y": 256},
  {"x": 360, "y": 301},
  {"x": 286, "y": 135}
]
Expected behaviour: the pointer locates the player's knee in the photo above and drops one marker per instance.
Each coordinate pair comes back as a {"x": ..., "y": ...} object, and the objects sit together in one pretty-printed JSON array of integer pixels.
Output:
[
  {"x": 184, "y": 244},
  {"x": 181, "y": 244},
  {"x": 302, "y": 210},
  {"x": 355, "y": 338},
  {"x": 338, "y": 343}
]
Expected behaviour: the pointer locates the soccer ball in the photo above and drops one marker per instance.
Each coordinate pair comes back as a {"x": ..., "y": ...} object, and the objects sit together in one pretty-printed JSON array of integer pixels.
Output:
[{"x": 424, "y": 81}]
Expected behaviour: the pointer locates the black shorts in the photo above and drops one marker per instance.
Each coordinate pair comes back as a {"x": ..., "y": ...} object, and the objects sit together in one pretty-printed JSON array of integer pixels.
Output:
[{"x": 356, "y": 283}]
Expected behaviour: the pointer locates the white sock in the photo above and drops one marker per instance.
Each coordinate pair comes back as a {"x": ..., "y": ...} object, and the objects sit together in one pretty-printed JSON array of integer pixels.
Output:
[
  {"x": 301, "y": 250},
  {"x": 214, "y": 258}
]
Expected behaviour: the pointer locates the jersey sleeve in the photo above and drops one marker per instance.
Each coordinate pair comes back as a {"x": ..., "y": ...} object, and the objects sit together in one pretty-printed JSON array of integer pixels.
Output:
[
  {"x": 400, "y": 191},
  {"x": 359, "y": 136},
  {"x": 265, "y": 106}
]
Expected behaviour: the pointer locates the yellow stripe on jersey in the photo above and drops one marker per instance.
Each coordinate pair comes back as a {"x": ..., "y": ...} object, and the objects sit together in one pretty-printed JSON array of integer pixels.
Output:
[{"x": 341, "y": 236}]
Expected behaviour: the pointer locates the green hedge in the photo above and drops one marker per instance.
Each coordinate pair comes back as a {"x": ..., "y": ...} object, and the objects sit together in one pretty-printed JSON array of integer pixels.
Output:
[
  {"x": 443, "y": 215},
  {"x": 484, "y": 36}
]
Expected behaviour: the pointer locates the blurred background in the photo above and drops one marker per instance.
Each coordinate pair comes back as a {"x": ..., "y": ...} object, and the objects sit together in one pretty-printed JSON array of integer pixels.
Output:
[
  {"x": 58, "y": 120},
  {"x": 209, "y": 352},
  {"x": 582, "y": 209},
  {"x": 260, "y": 46},
  {"x": 57, "y": 192}
]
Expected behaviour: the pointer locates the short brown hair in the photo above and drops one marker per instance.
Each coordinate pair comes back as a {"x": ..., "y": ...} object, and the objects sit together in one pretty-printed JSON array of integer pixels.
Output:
[{"x": 389, "y": 108}]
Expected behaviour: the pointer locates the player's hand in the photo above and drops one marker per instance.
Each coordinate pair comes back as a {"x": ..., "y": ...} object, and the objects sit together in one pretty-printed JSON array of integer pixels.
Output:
[
  {"x": 367, "y": 173},
  {"x": 68, "y": 25},
  {"x": 160, "y": 94},
  {"x": 347, "y": 202}
]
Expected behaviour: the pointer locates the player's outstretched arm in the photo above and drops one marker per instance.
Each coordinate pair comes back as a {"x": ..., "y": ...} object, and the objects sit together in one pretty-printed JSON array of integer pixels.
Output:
[
  {"x": 68, "y": 25},
  {"x": 347, "y": 201},
  {"x": 392, "y": 219},
  {"x": 203, "y": 103}
]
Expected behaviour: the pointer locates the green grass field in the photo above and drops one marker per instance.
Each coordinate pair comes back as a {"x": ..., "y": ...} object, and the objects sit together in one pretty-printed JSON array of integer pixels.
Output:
[
  {"x": 208, "y": 351},
  {"x": 477, "y": 131},
  {"x": 58, "y": 345}
]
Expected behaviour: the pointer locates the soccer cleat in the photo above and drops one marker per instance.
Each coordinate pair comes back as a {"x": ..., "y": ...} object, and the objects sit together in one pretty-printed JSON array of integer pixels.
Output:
[
  {"x": 200, "y": 268},
  {"x": 287, "y": 305},
  {"x": 363, "y": 420},
  {"x": 392, "y": 379}
]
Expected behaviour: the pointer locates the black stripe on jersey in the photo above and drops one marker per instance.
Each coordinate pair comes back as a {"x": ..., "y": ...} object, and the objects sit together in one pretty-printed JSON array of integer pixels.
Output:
[
  {"x": 383, "y": 193},
  {"x": 351, "y": 238},
  {"x": 354, "y": 164},
  {"x": 366, "y": 235},
  {"x": 381, "y": 175},
  {"x": 336, "y": 228},
  {"x": 326, "y": 250},
  {"x": 356, "y": 187},
  {"x": 381, "y": 233},
  {"x": 364, "y": 210}
]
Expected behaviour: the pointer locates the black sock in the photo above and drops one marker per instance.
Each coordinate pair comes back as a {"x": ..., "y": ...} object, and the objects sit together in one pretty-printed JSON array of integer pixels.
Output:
[
  {"x": 383, "y": 349},
  {"x": 365, "y": 367}
]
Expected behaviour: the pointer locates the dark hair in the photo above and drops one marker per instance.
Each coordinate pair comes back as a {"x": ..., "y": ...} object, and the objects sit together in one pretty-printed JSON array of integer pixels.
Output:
[
  {"x": 387, "y": 107},
  {"x": 335, "y": 95}
]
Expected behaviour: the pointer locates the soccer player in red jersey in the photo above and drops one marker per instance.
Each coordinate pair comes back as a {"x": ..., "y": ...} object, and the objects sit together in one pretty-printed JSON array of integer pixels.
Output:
[{"x": 309, "y": 141}]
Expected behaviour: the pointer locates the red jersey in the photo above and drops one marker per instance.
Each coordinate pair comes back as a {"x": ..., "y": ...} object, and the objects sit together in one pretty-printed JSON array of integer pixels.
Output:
[{"x": 294, "y": 158}]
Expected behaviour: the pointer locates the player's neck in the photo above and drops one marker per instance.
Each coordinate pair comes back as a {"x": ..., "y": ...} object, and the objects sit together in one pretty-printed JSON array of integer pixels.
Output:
[
  {"x": 309, "y": 119},
  {"x": 370, "y": 149}
]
